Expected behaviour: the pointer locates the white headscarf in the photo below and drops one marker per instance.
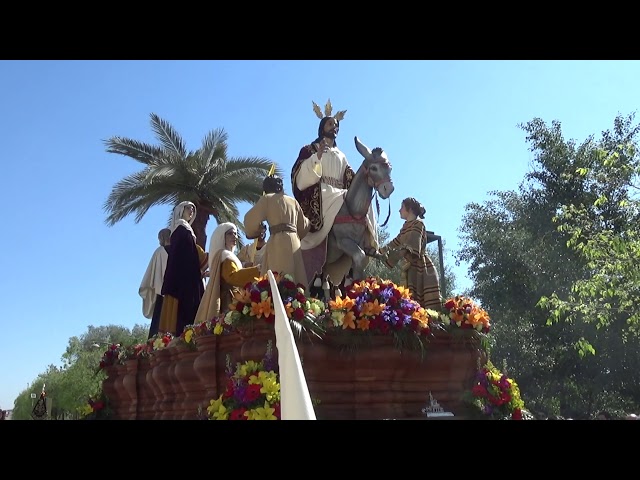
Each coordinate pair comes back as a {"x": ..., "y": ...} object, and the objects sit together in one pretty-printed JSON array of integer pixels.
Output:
[
  {"x": 177, "y": 219},
  {"x": 217, "y": 242}
]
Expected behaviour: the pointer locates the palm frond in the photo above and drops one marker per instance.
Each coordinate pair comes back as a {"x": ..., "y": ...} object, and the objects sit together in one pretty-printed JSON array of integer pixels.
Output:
[
  {"x": 168, "y": 136},
  {"x": 135, "y": 194},
  {"x": 214, "y": 145},
  {"x": 139, "y": 151}
]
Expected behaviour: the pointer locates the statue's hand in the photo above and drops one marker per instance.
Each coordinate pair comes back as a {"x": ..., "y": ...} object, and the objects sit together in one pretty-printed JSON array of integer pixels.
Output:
[{"x": 372, "y": 252}]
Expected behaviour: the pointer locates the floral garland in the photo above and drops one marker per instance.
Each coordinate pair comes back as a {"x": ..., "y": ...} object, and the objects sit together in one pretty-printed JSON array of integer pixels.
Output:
[
  {"x": 254, "y": 302},
  {"x": 252, "y": 393},
  {"x": 374, "y": 306},
  {"x": 496, "y": 395},
  {"x": 464, "y": 313}
]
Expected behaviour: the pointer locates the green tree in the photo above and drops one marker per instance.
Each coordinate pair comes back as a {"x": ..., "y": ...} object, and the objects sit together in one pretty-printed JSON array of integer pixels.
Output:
[
  {"x": 517, "y": 255},
  {"x": 210, "y": 179},
  {"x": 70, "y": 385}
]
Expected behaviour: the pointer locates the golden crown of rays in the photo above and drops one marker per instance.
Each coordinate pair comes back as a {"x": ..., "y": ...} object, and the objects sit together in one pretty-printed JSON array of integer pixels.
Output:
[{"x": 327, "y": 111}]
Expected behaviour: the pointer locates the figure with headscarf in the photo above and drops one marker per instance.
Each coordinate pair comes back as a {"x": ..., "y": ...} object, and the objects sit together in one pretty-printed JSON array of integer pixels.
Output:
[
  {"x": 320, "y": 178},
  {"x": 287, "y": 225},
  {"x": 183, "y": 286},
  {"x": 151, "y": 285},
  {"x": 226, "y": 273},
  {"x": 251, "y": 254},
  {"x": 410, "y": 246}
]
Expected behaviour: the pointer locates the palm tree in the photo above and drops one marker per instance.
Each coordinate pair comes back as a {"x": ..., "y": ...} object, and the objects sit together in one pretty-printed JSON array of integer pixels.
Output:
[{"x": 171, "y": 174}]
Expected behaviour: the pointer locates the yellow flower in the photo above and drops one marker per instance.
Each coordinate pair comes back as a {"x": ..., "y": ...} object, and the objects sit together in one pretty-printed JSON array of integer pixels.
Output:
[
  {"x": 217, "y": 330},
  {"x": 404, "y": 291},
  {"x": 188, "y": 335},
  {"x": 216, "y": 410},
  {"x": 261, "y": 413},
  {"x": 247, "y": 368}
]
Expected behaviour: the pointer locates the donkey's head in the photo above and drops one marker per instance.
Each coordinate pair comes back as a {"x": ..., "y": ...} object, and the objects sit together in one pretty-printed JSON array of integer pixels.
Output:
[{"x": 376, "y": 168}]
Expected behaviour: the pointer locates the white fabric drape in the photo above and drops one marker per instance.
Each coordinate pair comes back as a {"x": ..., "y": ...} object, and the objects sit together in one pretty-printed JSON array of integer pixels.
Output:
[{"x": 295, "y": 400}]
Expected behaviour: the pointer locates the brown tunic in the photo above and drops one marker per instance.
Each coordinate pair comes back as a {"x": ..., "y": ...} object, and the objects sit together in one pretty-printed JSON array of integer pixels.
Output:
[
  {"x": 419, "y": 273},
  {"x": 287, "y": 225}
]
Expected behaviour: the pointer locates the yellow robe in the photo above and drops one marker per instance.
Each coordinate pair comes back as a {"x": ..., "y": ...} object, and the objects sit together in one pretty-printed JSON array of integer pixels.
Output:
[{"x": 225, "y": 276}]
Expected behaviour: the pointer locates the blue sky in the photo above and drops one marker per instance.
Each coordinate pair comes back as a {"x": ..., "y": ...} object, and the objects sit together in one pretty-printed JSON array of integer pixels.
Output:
[{"x": 448, "y": 127}]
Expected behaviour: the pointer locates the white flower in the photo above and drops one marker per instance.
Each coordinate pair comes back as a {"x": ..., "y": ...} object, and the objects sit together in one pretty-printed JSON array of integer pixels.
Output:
[
  {"x": 337, "y": 317},
  {"x": 264, "y": 295}
]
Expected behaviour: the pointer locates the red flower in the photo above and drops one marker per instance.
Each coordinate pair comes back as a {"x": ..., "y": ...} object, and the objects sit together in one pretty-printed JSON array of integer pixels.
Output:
[
  {"x": 517, "y": 414},
  {"x": 99, "y": 405},
  {"x": 238, "y": 414},
  {"x": 450, "y": 304},
  {"x": 255, "y": 296},
  {"x": 276, "y": 407},
  {"x": 479, "y": 391},
  {"x": 252, "y": 393},
  {"x": 239, "y": 307},
  {"x": 298, "y": 314}
]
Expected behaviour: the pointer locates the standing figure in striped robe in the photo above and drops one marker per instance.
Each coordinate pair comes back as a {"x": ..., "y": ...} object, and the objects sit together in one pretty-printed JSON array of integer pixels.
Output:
[{"x": 418, "y": 271}]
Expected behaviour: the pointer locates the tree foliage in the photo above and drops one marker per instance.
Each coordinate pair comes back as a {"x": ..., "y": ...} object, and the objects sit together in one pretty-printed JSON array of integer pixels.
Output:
[
  {"x": 553, "y": 239},
  {"x": 70, "y": 385}
]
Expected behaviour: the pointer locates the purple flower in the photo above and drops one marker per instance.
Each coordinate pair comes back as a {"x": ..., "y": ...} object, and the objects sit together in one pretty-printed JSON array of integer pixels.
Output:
[
  {"x": 385, "y": 295},
  {"x": 239, "y": 392},
  {"x": 488, "y": 409},
  {"x": 390, "y": 316}
]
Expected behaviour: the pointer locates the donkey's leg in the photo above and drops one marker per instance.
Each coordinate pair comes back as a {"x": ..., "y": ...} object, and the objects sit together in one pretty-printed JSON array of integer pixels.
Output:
[{"x": 358, "y": 257}]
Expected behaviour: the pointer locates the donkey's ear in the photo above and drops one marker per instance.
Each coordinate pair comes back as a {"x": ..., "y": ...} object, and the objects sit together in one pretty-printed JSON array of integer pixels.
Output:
[{"x": 362, "y": 148}]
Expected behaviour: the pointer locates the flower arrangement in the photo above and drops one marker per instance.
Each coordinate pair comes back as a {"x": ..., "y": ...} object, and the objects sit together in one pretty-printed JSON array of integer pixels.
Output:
[
  {"x": 215, "y": 326},
  {"x": 252, "y": 393},
  {"x": 254, "y": 302},
  {"x": 96, "y": 408},
  {"x": 188, "y": 337},
  {"x": 496, "y": 395},
  {"x": 464, "y": 313},
  {"x": 160, "y": 340},
  {"x": 112, "y": 356},
  {"x": 379, "y": 307}
]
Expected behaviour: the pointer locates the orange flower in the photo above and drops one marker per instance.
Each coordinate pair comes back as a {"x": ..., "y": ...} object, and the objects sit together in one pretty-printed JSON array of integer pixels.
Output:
[
  {"x": 404, "y": 291},
  {"x": 263, "y": 308},
  {"x": 342, "y": 303},
  {"x": 348, "y": 321},
  {"x": 363, "y": 324},
  {"x": 289, "y": 309},
  {"x": 372, "y": 308}
]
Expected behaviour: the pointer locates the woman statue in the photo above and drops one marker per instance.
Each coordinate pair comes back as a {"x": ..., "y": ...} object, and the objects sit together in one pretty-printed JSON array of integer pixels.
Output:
[
  {"x": 225, "y": 273},
  {"x": 419, "y": 273},
  {"x": 182, "y": 287}
]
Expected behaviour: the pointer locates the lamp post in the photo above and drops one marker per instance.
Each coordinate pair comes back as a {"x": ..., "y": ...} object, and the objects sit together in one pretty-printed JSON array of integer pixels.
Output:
[{"x": 432, "y": 237}]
